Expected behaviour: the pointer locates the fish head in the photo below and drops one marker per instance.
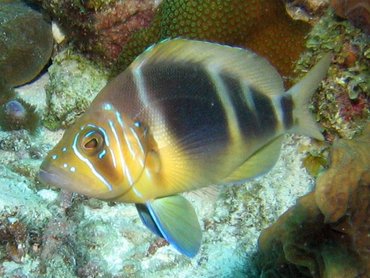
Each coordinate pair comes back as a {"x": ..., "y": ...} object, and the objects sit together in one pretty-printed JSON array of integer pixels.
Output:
[{"x": 101, "y": 156}]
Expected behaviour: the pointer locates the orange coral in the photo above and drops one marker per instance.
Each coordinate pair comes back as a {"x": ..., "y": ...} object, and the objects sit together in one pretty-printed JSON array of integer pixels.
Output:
[
  {"x": 327, "y": 233},
  {"x": 262, "y": 25}
]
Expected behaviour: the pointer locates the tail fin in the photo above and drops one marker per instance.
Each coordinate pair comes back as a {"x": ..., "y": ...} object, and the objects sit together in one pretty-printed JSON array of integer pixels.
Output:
[{"x": 301, "y": 94}]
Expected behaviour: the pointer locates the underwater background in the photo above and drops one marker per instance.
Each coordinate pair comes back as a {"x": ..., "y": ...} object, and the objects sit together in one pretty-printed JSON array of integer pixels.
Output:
[{"x": 307, "y": 217}]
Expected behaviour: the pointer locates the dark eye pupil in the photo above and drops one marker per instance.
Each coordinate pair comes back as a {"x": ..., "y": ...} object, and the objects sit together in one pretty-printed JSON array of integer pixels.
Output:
[{"x": 92, "y": 144}]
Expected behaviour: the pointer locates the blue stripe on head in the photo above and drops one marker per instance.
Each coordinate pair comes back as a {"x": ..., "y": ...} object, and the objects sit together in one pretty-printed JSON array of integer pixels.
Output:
[
  {"x": 87, "y": 161},
  {"x": 102, "y": 154},
  {"x": 90, "y": 133}
]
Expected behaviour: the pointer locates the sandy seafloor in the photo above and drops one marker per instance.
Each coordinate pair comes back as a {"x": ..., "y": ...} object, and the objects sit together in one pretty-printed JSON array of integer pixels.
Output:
[{"x": 96, "y": 239}]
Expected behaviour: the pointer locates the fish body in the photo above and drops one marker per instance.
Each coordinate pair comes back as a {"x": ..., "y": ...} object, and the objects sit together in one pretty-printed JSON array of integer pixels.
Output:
[{"x": 185, "y": 114}]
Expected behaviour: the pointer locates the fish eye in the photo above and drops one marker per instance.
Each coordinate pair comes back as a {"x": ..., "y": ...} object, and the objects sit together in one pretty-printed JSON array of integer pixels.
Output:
[{"x": 92, "y": 142}]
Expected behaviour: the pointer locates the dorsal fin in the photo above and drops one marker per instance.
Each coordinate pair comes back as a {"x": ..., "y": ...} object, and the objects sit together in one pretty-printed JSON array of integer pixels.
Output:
[{"x": 241, "y": 63}]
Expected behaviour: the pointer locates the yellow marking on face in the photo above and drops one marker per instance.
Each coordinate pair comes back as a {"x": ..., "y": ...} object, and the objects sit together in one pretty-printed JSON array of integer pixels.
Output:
[{"x": 101, "y": 160}]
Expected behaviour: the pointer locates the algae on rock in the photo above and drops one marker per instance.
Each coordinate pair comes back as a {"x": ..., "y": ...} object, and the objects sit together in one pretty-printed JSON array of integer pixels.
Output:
[
  {"x": 100, "y": 27},
  {"x": 342, "y": 104},
  {"x": 74, "y": 83},
  {"x": 26, "y": 42}
]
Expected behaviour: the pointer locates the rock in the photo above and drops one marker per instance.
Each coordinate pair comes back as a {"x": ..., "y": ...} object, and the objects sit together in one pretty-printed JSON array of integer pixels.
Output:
[
  {"x": 26, "y": 42},
  {"x": 101, "y": 27},
  {"x": 356, "y": 11},
  {"x": 350, "y": 164},
  {"x": 326, "y": 234},
  {"x": 74, "y": 82},
  {"x": 307, "y": 10}
]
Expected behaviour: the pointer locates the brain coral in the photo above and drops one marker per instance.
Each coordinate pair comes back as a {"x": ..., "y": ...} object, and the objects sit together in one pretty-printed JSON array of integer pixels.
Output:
[
  {"x": 263, "y": 26},
  {"x": 104, "y": 29}
]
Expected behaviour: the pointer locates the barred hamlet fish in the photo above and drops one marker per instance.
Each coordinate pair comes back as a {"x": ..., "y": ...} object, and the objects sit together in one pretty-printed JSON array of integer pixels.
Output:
[{"x": 185, "y": 114}]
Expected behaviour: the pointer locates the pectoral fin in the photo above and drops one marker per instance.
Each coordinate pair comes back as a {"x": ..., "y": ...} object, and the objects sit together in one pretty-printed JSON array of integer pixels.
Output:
[{"x": 174, "y": 219}]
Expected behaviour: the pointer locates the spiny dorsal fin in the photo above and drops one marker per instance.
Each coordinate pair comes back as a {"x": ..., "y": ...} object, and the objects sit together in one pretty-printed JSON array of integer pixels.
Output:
[{"x": 240, "y": 63}]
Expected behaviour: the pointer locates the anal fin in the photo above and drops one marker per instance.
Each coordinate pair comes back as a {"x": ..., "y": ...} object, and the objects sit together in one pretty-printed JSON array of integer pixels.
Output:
[
  {"x": 259, "y": 163},
  {"x": 174, "y": 219}
]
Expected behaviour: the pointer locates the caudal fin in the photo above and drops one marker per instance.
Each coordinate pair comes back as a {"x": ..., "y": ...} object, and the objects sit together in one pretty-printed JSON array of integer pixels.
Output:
[{"x": 301, "y": 94}]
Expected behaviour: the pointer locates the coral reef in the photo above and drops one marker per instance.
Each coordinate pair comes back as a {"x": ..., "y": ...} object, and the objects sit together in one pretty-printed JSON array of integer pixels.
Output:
[
  {"x": 74, "y": 82},
  {"x": 342, "y": 104},
  {"x": 89, "y": 238},
  {"x": 264, "y": 26},
  {"x": 22, "y": 217},
  {"x": 24, "y": 211},
  {"x": 56, "y": 239},
  {"x": 13, "y": 236},
  {"x": 43, "y": 235},
  {"x": 327, "y": 233},
  {"x": 107, "y": 29},
  {"x": 101, "y": 28},
  {"x": 25, "y": 42},
  {"x": 357, "y": 11}
]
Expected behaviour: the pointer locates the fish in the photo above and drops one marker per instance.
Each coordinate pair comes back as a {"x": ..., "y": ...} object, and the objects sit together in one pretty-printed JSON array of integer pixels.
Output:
[{"x": 184, "y": 115}]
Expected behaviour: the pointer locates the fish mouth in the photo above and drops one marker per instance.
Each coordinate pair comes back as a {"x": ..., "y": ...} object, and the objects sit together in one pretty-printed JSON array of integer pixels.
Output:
[
  {"x": 51, "y": 177},
  {"x": 57, "y": 177},
  {"x": 45, "y": 177},
  {"x": 81, "y": 184}
]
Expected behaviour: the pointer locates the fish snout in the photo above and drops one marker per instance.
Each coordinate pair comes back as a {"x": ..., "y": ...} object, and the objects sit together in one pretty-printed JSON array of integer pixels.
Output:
[{"x": 49, "y": 176}]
